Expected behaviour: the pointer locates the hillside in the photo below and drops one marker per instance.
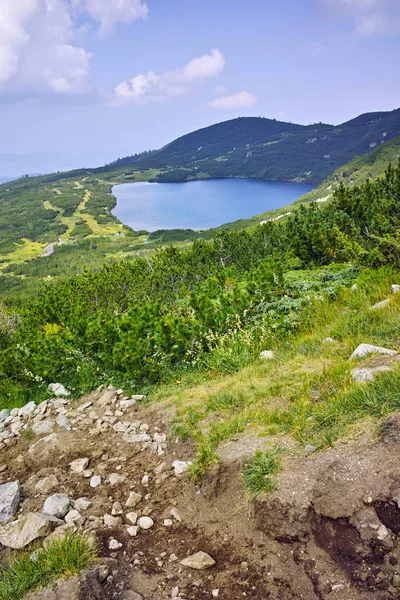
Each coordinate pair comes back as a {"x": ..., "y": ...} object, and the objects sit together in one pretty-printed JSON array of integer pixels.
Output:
[{"x": 269, "y": 149}]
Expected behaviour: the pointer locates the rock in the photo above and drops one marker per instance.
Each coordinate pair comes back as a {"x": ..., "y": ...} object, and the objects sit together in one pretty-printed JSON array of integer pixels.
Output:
[
  {"x": 215, "y": 593},
  {"x": 125, "y": 404},
  {"x": 145, "y": 523},
  {"x": 111, "y": 521},
  {"x": 395, "y": 288},
  {"x": 180, "y": 466},
  {"x": 106, "y": 398},
  {"x": 113, "y": 544},
  {"x": 131, "y": 595},
  {"x": 45, "y": 485},
  {"x": 354, "y": 287},
  {"x": 365, "y": 349},
  {"x": 58, "y": 390},
  {"x": 309, "y": 448},
  {"x": 43, "y": 427},
  {"x": 87, "y": 473},
  {"x": 10, "y": 495},
  {"x": 133, "y": 500},
  {"x": 267, "y": 354},
  {"x": 168, "y": 522},
  {"x": 27, "y": 410},
  {"x": 381, "y": 304},
  {"x": 133, "y": 530},
  {"x": 174, "y": 512},
  {"x": 63, "y": 422},
  {"x": 200, "y": 560},
  {"x": 57, "y": 505},
  {"x": 82, "y": 504},
  {"x": 328, "y": 340},
  {"x": 116, "y": 509},
  {"x": 114, "y": 479},
  {"x": 390, "y": 432},
  {"x": 136, "y": 438},
  {"x": 79, "y": 465},
  {"x": 95, "y": 481},
  {"x": 59, "y": 534},
  {"x": 27, "y": 528},
  {"x": 103, "y": 572},
  {"x": 45, "y": 449},
  {"x": 367, "y": 373},
  {"x": 74, "y": 516},
  {"x": 132, "y": 517},
  {"x": 4, "y": 414}
]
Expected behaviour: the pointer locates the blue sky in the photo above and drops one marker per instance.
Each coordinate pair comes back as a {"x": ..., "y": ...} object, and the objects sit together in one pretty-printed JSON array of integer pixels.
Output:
[{"x": 85, "y": 81}]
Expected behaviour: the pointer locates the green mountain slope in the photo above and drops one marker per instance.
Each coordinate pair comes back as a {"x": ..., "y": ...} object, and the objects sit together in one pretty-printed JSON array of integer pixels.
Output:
[{"x": 268, "y": 149}]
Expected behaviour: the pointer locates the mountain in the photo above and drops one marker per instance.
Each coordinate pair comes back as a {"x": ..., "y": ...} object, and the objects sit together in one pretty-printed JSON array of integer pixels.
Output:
[{"x": 262, "y": 148}]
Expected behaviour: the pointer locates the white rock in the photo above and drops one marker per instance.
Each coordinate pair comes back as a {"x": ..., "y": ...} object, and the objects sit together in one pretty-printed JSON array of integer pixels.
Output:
[
  {"x": 145, "y": 523},
  {"x": 125, "y": 404},
  {"x": 145, "y": 480},
  {"x": 116, "y": 509},
  {"x": 174, "y": 512},
  {"x": 4, "y": 414},
  {"x": 115, "y": 478},
  {"x": 27, "y": 528},
  {"x": 132, "y": 517},
  {"x": 200, "y": 560},
  {"x": 111, "y": 521},
  {"x": 168, "y": 522},
  {"x": 180, "y": 466},
  {"x": 367, "y": 374},
  {"x": 63, "y": 422},
  {"x": 133, "y": 500},
  {"x": 73, "y": 516},
  {"x": 27, "y": 410},
  {"x": 133, "y": 530},
  {"x": 382, "y": 532},
  {"x": 58, "y": 389},
  {"x": 43, "y": 427},
  {"x": 267, "y": 354},
  {"x": 113, "y": 544},
  {"x": 381, "y": 304},
  {"x": 79, "y": 465},
  {"x": 354, "y": 287},
  {"x": 87, "y": 473},
  {"x": 365, "y": 349},
  {"x": 82, "y": 504},
  {"x": 10, "y": 495},
  {"x": 215, "y": 593},
  {"x": 95, "y": 481},
  {"x": 328, "y": 340},
  {"x": 395, "y": 288},
  {"x": 57, "y": 505}
]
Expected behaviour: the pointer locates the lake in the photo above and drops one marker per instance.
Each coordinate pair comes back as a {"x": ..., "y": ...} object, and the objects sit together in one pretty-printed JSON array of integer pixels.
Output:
[{"x": 200, "y": 204}]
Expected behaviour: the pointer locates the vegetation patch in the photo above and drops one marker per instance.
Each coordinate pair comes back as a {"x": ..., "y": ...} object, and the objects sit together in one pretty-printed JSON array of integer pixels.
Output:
[{"x": 258, "y": 473}]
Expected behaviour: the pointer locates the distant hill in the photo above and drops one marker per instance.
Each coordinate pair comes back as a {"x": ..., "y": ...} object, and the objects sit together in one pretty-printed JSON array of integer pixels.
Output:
[{"x": 261, "y": 148}]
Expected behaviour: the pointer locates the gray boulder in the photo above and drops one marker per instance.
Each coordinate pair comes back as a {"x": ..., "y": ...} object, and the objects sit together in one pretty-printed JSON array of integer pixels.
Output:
[
  {"x": 365, "y": 349},
  {"x": 57, "y": 505},
  {"x": 26, "y": 529},
  {"x": 10, "y": 495}
]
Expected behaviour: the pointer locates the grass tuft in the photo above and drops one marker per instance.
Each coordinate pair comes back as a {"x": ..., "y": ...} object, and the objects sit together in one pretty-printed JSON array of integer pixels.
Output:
[
  {"x": 257, "y": 475},
  {"x": 30, "y": 570}
]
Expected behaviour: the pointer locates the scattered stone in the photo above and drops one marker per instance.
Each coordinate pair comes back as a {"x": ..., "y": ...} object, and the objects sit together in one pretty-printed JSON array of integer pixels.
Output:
[
  {"x": 328, "y": 340},
  {"x": 145, "y": 480},
  {"x": 136, "y": 438},
  {"x": 174, "y": 512},
  {"x": 113, "y": 544},
  {"x": 200, "y": 560},
  {"x": 106, "y": 398},
  {"x": 74, "y": 516},
  {"x": 168, "y": 522},
  {"x": 365, "y": 349},
  {"x": 145, "y": 523},
  {"x": 111, "y": 521},
  {"x": 63, "y": 422},
  {"x": 10, "y": 495},
  {"x": 267, "y": 354},
  {"x": 4, "y": 414},
  {"x": 133, "y": 530},
  {"x": 133, "y": 500},
  {"x": 57, "y": 505},
  {"x": 58, "y": 390},
  {"x": 27, "y": 528},
  {"x": 84, "y": 406},
  {"x": 43, "y": 427},
  {"x": 116, "y": 509},
  {"x": 95, "y": 481},
  {"x": 103, "y": 572},
  {"x": 87, "y": 473},
  {"x": 45, "y": 485},
  {"x": 79, "y": 465},
  {"x": 180, "y": 466},
  {"x": 215, "y": 593},
  {"x": 395, "y": 288},
  {"x": 125, "y": 404},
  {"x": 354, "y": 287},
  {"x": 309, "y": 448},
  {"x": 115, "y": 478},
  {"x": 362, "y": 375},
  {"x": 132, "y": 517},
  {"x": 381, "y": 304},
  {"x": 44, "y": 449},
  {"x": 27, "y": 410},
  {"x": 82, "y": 504}
]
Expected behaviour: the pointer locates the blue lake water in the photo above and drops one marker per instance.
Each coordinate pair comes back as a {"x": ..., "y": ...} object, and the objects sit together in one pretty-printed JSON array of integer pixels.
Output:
[{"x": 200, "y": 204}]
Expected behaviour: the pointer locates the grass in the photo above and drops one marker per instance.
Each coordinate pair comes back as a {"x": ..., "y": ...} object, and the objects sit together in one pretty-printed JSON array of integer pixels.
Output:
[
  {"x": 257, "y": 475},
  {"x": 306, "y": 391},
  {"x": 30, "y": 570}
]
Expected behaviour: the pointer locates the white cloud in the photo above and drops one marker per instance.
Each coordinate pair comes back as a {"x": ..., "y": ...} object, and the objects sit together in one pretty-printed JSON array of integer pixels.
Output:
[
  {"x": 371, "y": 17},
  {"x": 150, "y": 86},
  {"x": 39, "y": 51},
  {"x": 238, "y": 100}
]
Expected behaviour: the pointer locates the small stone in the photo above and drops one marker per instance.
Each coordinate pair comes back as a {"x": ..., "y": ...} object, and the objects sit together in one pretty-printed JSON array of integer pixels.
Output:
[
  {"x": 4, "y": 414},
  {"x": 45, "y": 485},
  {"x": 338, "y": 587},
  {"x": 145, "y": 480},
  {"x": 168, "y": 522},
  {"x": 136, "y": 438},
  {"x": 87, "y": 473},
  {"x": 365, "y": 349},
  {"x": 395, "y": 288},
  {"x": 215, "y": 593},
  {"x": 58, "y": 390},
  {"x": 354, "y": 287},
  {"x": 180, "y": 466},
  {"x": 132, "y": 517},
  {"x": 133, "y": 500},
  {"x": 133, "y": 530},
  {"x": 115, "y": 478},
  {"x": 200, "y": 560},
  {"x": 95, "y": 481},
  {"x": 82, "y": 504},
  {"x": 57, "y": 505},
  {"x": 328, "y": 340},
  {"x": 309, "y": 448},
  {"x": 267, "y": 354},
  {"x": 79, "y": 465},
  {"x": 74, "y": 516},
  {"x": 145, "y": 523},
  {"x": 63, "y": 422},
  {"x": 173, "y": 557},
  {"x": 116, "y": 509},
  {"x": 113, "y": 544},
  {"x": 27, "y": 410},
  {"x": 103, "y": 572},
  {"x": 111, "y": 521},
  {"x": 43, "y": 427},
  {"x": 174, "y": 512}
]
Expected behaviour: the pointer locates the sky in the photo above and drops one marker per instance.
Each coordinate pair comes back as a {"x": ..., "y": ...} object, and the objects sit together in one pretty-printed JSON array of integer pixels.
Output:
[{"x": 83, "y": 82}]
